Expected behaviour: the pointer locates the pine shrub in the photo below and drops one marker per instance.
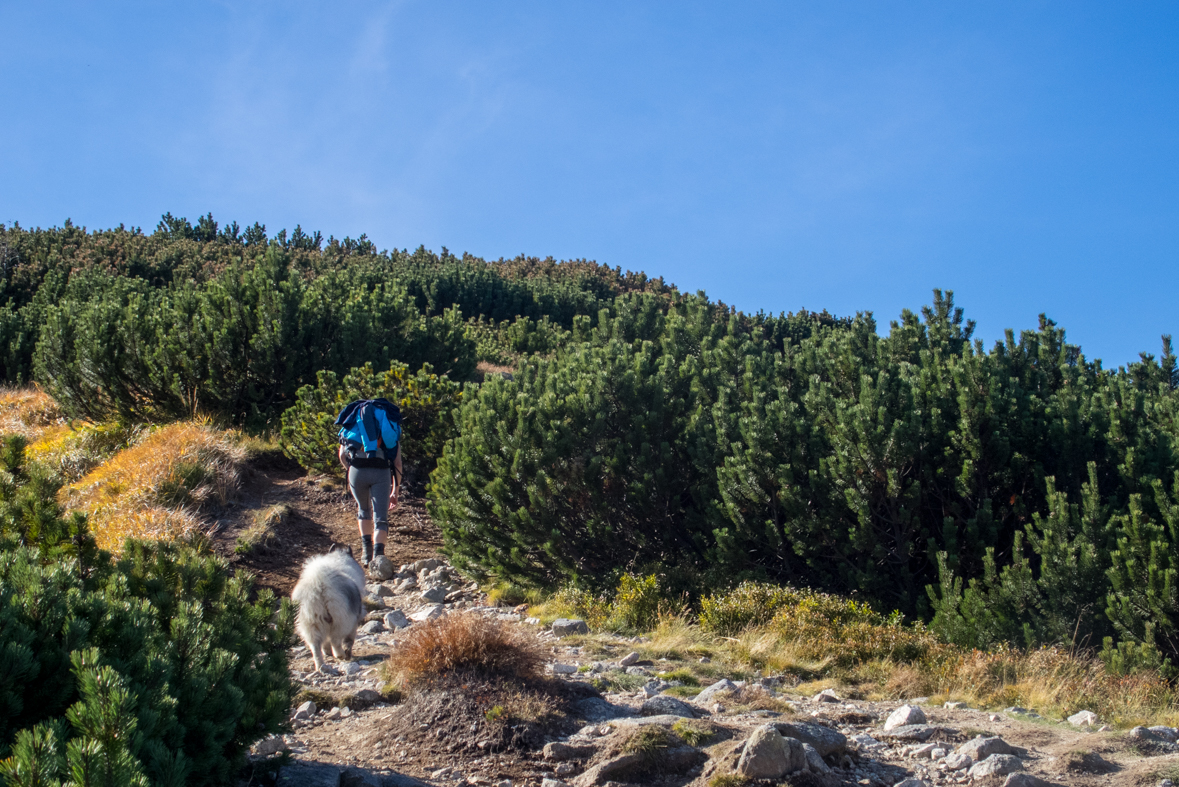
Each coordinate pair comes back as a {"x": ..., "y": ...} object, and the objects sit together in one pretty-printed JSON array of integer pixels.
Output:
[
  {"x": 426, "y": 400},
  {"x": 157, "y": 668}
]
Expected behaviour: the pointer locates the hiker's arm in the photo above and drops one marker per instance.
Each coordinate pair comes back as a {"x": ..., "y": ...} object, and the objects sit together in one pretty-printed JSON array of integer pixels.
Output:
[
  {"x": 395, "y": 487},
  {"x": 343, "y": 457}
]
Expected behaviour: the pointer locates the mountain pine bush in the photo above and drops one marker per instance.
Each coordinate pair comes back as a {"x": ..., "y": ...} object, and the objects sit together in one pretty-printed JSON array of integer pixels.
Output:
[
  {"x": 427, "y": 402},
  {"x": 159, "y": 668}
]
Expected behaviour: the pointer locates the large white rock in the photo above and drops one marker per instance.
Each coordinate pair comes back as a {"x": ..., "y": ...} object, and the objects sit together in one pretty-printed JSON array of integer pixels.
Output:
[
  {"x": 904, "y": 716},
  {"x": 428, "y": 613},
  {"x": 1083, "y": 718},
  {"x": 306, "y": 710}
]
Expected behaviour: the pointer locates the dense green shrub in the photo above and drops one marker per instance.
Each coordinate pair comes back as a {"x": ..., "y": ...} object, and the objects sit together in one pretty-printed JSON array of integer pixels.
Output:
[
  {"x": 238, "y": 345},
  {"x": 181, "y": 259},
  {"x": 158, "y": 668},
  {"x": 842, "y": 459},
  {"x": 585, "y": 464},
  {"x": 427, "y": 402}
]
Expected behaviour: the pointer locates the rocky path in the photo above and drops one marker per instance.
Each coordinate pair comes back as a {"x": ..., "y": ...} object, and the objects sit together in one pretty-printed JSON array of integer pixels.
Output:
[{"x": 345, "y": 732}]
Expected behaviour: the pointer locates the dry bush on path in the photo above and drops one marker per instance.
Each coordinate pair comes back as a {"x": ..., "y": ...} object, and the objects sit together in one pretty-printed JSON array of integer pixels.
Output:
[{"x": 467, "y": 644}]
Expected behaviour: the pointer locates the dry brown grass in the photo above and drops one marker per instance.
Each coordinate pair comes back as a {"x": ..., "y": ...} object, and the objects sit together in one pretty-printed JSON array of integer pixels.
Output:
[
  {"x": 1055, "y": 682},
  {"x": 155, "y": 488},
  {"x": 469, "y": 644},
  {"x": 29, "y": 412}
]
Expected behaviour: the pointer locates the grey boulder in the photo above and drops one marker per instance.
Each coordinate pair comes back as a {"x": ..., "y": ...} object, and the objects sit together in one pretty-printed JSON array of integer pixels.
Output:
[
  {"x": 814, "y": 762},
  {"x": 594, "y": 709},
  {"x": 980, "y": 748},
  {"x": 914, "y": 732},
  {"x": 308, "y": 774},
  {"x": 396, "y": 619},
  {"x": 995, "y": 765},
  {"x": 707, "y": 696},
  {"x": 904, "y": 716},
  {"x": 767, "y": 755},
  {"x": 559, "y": 751},
  {"x": 434, "y": 595},
  {"x": 663, "y": 705},
  {"x": 1169, "y": 734},
  {"x": 565, "y": 627},
  {"x": 381, "y": 568},
  {"x": 1021, "y": 779},
  {"x": 825, "y": 740}
]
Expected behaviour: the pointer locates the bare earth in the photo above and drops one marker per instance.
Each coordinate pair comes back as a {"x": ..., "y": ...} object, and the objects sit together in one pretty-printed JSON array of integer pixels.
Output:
[{"x": 443, "y": 738}]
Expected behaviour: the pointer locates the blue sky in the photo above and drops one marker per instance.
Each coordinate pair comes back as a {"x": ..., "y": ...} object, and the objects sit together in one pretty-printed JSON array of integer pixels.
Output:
[{"x": 847, "y": 156}]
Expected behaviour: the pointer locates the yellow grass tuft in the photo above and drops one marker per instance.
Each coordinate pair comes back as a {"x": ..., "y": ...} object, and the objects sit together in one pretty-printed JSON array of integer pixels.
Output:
[
  {"x": 154, "y": 488},
  {"x": 74, "y": 450}
]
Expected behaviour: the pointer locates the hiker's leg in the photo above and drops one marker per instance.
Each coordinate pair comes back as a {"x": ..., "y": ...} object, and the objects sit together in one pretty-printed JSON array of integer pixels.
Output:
[
  {"x": 379, "y": 495},
  {"x": 364, "y": 512}
]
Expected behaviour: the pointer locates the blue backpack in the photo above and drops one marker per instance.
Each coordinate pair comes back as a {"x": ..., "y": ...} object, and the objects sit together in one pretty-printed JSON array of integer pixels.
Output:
[{"x": 369, "y": 431}]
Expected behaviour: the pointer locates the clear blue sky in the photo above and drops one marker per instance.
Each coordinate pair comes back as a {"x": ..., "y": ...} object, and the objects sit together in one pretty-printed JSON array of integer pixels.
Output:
[{"x": 848, "y": 156}]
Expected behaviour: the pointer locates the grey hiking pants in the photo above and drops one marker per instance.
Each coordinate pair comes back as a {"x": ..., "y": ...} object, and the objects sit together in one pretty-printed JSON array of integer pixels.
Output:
[{"x": 370, "y": 486}]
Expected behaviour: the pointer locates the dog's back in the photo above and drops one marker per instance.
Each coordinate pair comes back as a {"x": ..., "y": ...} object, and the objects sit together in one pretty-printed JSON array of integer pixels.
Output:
[{"x": 329, "y": 594}]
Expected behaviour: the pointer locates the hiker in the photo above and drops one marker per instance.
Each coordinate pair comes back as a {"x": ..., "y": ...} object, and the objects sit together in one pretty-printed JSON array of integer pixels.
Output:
[{"x": 370, "y": 452}]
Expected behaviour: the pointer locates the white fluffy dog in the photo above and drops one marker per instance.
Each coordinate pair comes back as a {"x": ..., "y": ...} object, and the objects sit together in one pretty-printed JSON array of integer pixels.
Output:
[{"x": 329, "y": 594}]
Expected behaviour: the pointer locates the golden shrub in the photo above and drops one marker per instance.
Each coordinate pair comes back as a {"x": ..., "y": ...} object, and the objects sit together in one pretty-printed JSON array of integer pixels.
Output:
[{"x": 465, "y": 643}]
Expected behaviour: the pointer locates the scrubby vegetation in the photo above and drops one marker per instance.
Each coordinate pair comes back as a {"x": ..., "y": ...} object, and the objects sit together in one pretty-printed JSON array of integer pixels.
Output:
[
  {"x": 154, "y": 668},
  {"x": 470, "y": 645},
  {"x": 890, "y": 507}
]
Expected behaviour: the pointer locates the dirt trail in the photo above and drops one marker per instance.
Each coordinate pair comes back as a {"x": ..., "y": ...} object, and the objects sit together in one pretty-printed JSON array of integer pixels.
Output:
[{"x": 321, "y": 512}]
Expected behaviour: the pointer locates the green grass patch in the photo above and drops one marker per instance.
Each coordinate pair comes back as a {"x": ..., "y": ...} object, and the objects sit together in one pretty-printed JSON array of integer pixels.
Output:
[
  {"x": 683, "y": 674},
  {"x": 693, "y": 733}
]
